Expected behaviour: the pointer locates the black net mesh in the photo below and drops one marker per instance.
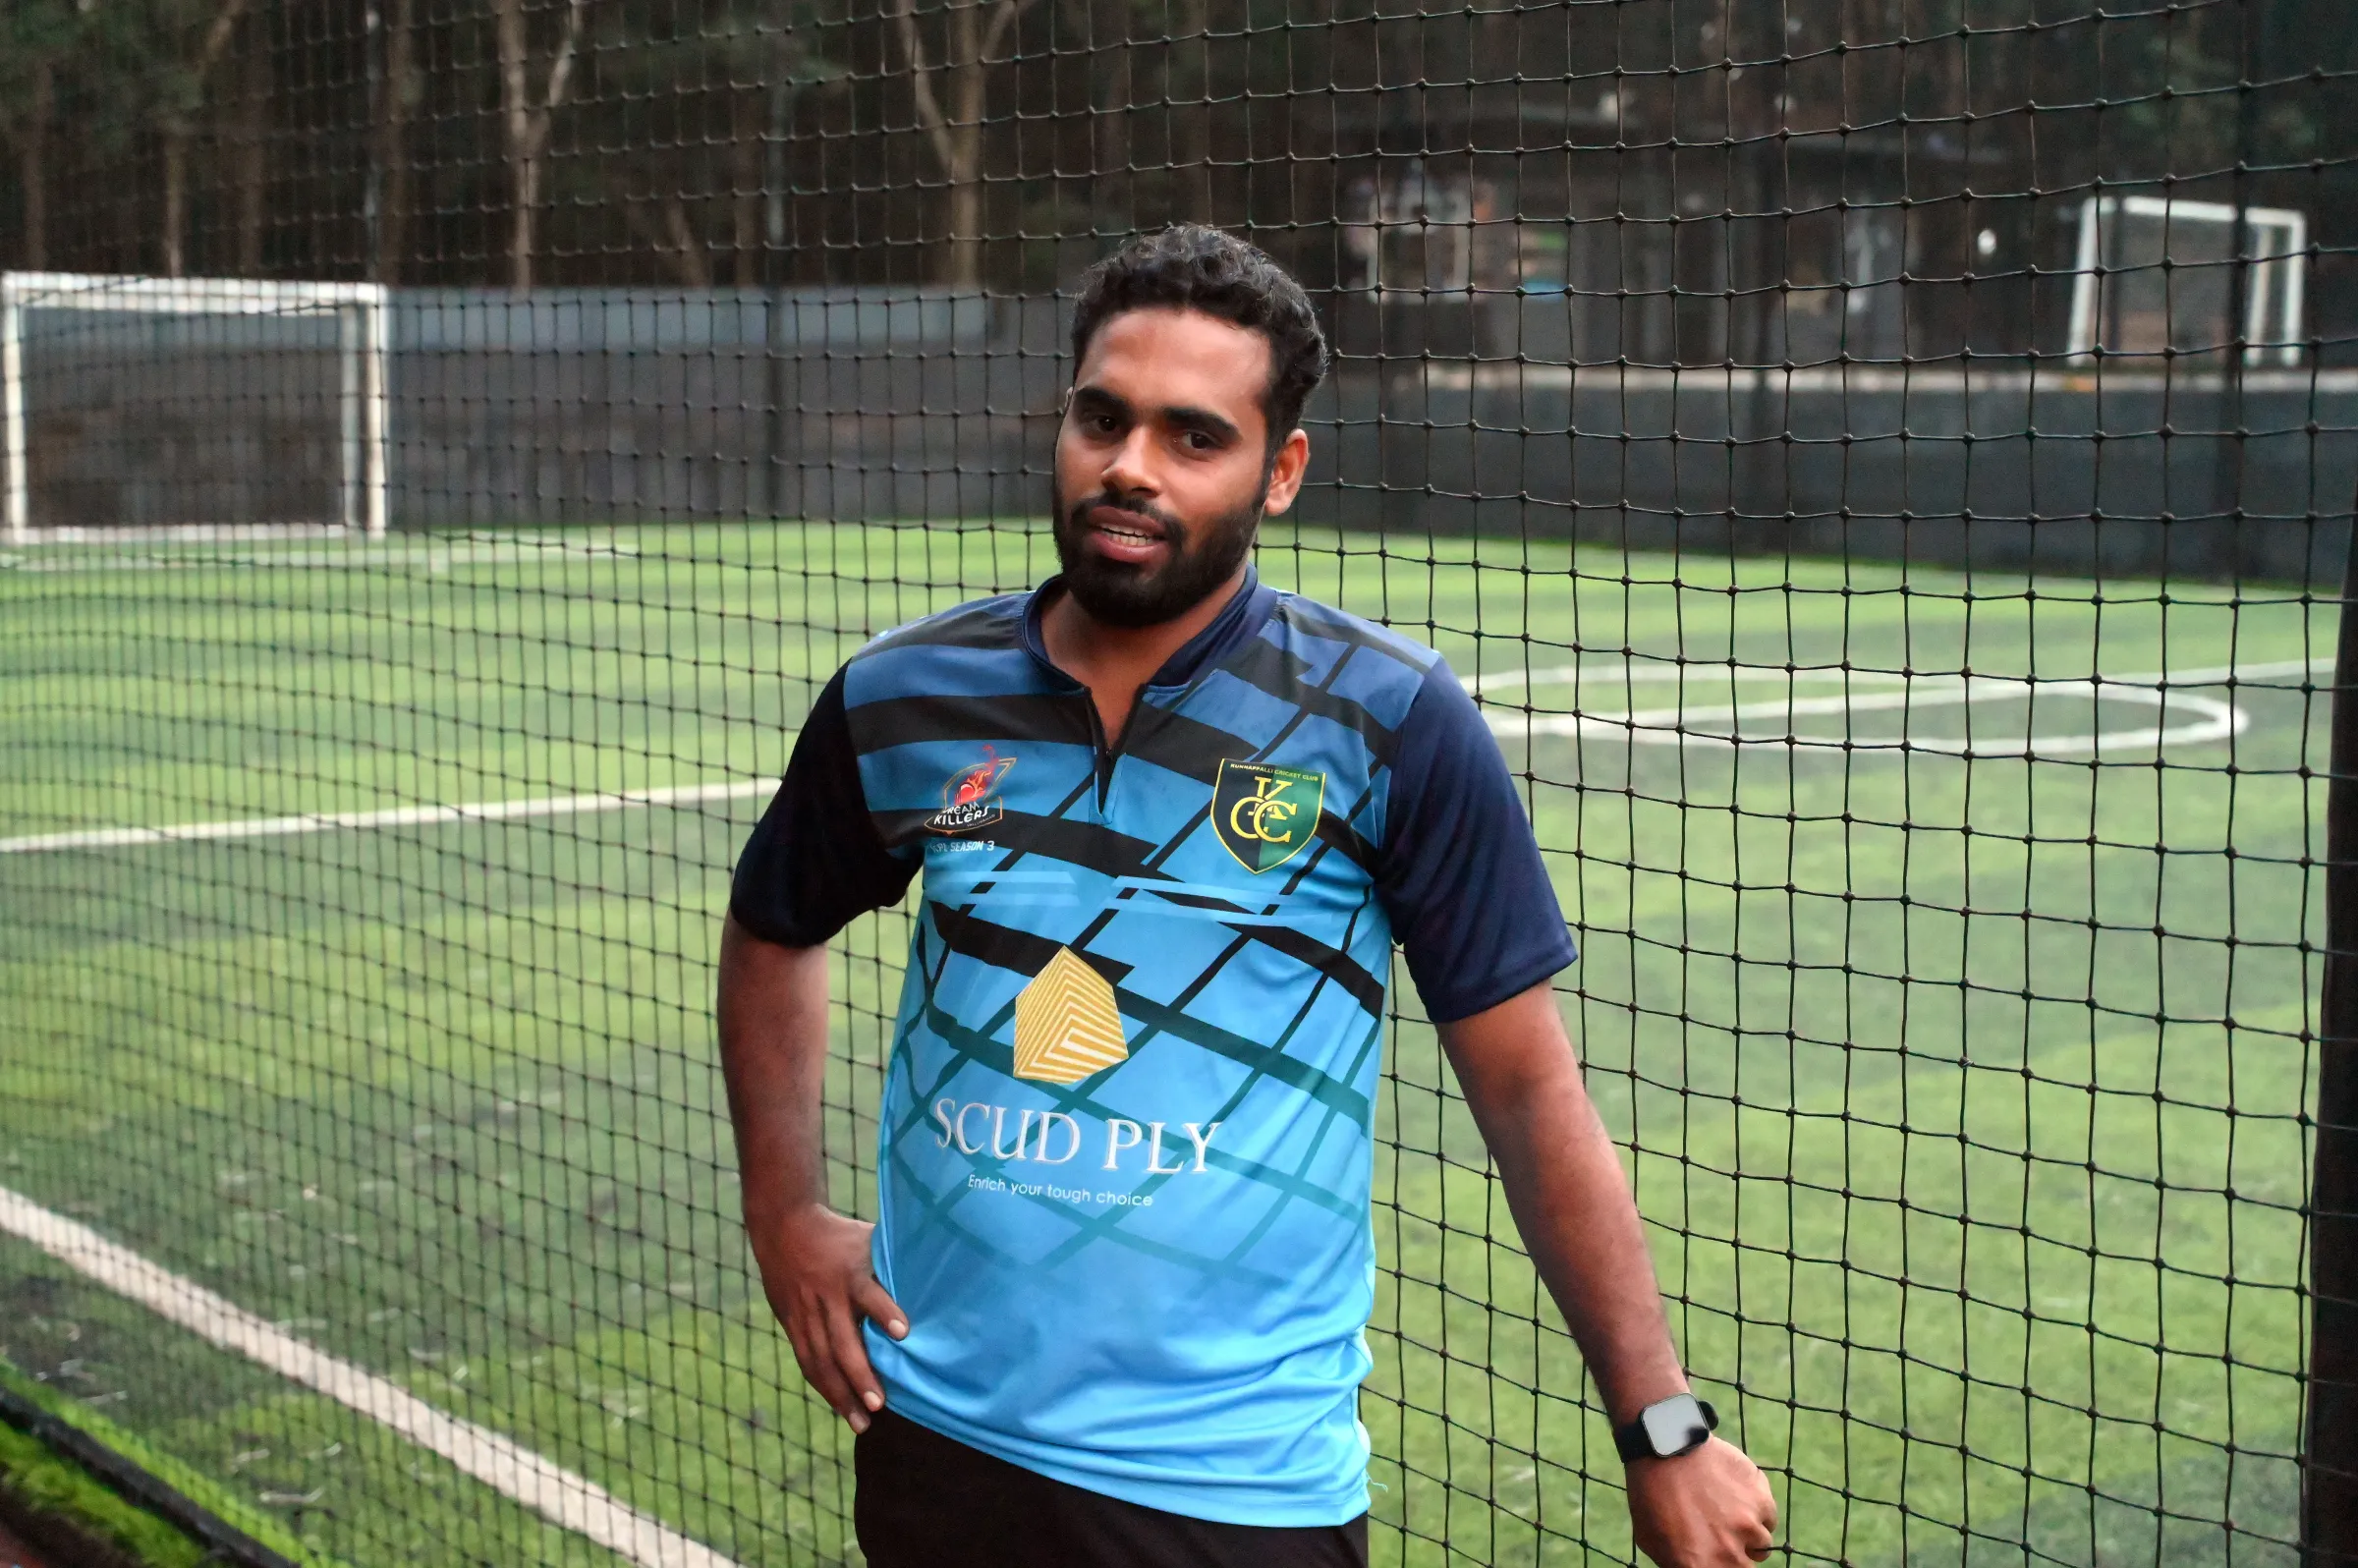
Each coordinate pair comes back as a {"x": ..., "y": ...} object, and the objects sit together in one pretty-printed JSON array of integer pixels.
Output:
[{"x": 1884, "y": 465}]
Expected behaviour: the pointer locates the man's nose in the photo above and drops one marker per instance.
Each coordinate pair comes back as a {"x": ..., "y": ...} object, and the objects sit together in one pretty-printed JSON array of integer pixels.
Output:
[{"x": 1130, "y": 470}]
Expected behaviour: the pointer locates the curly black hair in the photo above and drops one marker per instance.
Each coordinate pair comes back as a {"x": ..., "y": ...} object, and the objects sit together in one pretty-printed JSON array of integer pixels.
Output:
[{"x": 1198, "y": 268}]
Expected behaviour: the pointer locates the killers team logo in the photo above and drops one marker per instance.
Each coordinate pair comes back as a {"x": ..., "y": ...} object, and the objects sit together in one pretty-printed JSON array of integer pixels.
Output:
[
  {"x": 1263, "y": 813},
  {"x": 971, "y": 799}
]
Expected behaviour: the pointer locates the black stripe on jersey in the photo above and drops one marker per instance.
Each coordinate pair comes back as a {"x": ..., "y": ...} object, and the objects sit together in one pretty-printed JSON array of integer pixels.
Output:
[
  {"x": 995, "y": 623},
  {"x": 1267, "y": 667},
  {"x": 1266, "y": 1060},
  {"x": 1087, "y": 844},
  {"x": 1333, "y": 626},
  {"x": 1338, "y": 966},
  {"x": 1010, "y": 949},
  {"x": 1349, "y": 841},
  {"x": 1026, "y": 954},
  {"x": 1333, "y": 963},
  {"x": 1009, "y": 719},
  {"x": 1178, "y": 743}
]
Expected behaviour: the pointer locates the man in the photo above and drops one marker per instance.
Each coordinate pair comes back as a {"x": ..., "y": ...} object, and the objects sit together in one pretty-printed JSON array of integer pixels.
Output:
[{"x": 1170, "y": 823}]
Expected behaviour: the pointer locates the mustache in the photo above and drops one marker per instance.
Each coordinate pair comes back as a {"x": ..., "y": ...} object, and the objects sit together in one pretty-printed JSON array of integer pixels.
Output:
[{"x": 1174, "y": 530}]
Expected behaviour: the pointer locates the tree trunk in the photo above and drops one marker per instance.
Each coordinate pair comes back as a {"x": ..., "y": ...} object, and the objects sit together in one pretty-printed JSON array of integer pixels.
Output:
[
  {"x": 745, "y": 197},
  {"x": 1194, "y": 125},
  {"x": 962, "y": 257},
  {"x": 253, "y": 140},
  {"x": 964, "y": 163},
  {"x": 176, "y": 125},
  {"x": 392, "y": 136},
  {"x": 32, "y": 166},
  {"x": 518, "y": 123},
  {"x": 523, "y": 191},
  {"x": 527, "y": 116},
  {"x": 693, "y": 266},
  {"x": 176, "y": 199},
  {"x": 970, "y": 43},
  {"x": 663, "y": 224}
]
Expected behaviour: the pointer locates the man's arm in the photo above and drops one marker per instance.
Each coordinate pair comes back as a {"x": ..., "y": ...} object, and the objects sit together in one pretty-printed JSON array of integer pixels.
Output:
[
  {"x": 815, "y": 1262},
  {"x": 1710, "y": 1508}
]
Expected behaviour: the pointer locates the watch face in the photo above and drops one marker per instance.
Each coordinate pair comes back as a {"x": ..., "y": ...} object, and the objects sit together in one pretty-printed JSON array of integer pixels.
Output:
[{"x": 1674, "y": 1425}]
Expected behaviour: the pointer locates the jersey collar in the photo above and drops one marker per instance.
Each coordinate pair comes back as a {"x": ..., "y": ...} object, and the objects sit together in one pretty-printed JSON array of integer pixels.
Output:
[{"x": 1240, "y": 618}]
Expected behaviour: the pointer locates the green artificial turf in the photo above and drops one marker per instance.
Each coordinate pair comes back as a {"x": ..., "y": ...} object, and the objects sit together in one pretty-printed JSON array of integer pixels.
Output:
[
  {"x": 1963, "y": 1098},
  {"x": 35, "y": 1480}
]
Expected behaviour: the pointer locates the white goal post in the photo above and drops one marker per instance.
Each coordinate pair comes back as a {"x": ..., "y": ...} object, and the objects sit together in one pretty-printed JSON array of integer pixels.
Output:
[
  {"x": 364, "y": 345},
  {"x": 2129, "y": 246}
]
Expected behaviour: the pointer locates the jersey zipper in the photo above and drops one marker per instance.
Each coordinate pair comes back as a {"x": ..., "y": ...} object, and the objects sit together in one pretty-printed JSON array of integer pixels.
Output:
[
  {"x": 1107, "y": 753},
  {"x": 1103, "y": 753}
]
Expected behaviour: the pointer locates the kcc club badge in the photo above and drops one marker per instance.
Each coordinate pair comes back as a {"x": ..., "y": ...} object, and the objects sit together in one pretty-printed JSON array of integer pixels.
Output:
[{"x": 1263, "y": 814}]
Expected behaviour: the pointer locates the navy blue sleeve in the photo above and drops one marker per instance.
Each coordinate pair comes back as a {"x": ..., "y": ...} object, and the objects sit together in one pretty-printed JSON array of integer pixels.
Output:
[
  {"x": 1460, "y": 871},
  {"x": 815, "y": 861}
]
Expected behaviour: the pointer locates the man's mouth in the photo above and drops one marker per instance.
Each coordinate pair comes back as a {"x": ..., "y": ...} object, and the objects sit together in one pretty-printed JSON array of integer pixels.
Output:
[{"x": 1123, "y": 535}]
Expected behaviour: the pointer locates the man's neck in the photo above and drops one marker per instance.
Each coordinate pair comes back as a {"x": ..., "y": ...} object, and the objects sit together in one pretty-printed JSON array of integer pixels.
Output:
[{"x": 1115, "y": 662}]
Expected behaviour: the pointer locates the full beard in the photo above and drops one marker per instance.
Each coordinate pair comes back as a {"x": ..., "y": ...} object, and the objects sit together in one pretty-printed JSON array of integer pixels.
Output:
[{"x": 1119, "y": 593}]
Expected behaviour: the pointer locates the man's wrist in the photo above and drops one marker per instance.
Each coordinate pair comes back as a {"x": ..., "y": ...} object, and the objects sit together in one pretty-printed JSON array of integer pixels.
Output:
[{"x": 1667, "y": 1429}]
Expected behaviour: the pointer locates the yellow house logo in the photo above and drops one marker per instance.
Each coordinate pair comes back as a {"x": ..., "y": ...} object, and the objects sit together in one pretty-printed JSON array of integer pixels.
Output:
[
  {"x": 1263, "y": 813},
  {"x": 1067, "y": 1025}
]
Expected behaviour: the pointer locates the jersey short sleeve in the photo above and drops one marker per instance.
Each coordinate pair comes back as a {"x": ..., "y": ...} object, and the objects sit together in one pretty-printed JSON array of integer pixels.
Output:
[
  {"x": 1460, "y": 871},
  {"x": 815, "y": 862}
]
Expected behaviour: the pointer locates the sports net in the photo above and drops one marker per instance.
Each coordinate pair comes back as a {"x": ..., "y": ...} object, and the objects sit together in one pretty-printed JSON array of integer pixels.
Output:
[{"x": 1884, "y": 466}]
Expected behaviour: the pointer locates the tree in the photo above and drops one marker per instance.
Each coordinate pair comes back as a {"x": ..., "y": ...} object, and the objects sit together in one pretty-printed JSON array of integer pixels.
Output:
[
  {"x": 973, "y": 32},
  {"x": 729, "y": 82},
  {"x": 36, "y": 37},
  {"x": 526, "y": 114},
  {"x": 183, "y": 77},
  {"x": 396, "y": 98}
]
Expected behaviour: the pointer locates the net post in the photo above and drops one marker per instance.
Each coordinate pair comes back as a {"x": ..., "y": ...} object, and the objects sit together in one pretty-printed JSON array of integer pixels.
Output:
[
  {"x": 17, "y": 523},
  {"x": 351, "y": 330},
  {"x": 376, "y": 456},
  {"x": 2330, "y": 1446}
]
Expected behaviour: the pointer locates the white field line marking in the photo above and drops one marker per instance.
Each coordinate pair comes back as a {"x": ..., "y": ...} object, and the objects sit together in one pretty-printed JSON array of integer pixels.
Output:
[
  {"x": 1722, "y": 723},
  {"x": 391, "y": 817},
  {"x": 432, "y": 557},
  {"x": 572, "y": 1501}
]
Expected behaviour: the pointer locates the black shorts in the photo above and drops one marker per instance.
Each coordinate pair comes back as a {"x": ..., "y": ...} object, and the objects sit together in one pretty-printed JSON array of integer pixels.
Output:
[{"x": 926, "y": 1501}]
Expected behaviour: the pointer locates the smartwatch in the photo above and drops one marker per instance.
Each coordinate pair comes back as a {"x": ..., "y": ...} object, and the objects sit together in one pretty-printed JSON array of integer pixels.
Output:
[{"x": 1667, "y": 1429}]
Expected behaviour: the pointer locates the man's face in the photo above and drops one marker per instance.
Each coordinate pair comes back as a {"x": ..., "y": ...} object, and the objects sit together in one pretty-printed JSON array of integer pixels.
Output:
[{"x": 1163, "y": 471}]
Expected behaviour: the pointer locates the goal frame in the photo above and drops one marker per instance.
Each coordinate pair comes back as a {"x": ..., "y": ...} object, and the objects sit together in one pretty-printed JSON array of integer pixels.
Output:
[
  {"x": 2276, "y": 241},
  {"x": 364, "y": 346}
]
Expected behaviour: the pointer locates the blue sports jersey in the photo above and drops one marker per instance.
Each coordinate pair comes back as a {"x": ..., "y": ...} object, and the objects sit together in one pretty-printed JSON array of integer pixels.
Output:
[{"x": 1126, "y": 1136}]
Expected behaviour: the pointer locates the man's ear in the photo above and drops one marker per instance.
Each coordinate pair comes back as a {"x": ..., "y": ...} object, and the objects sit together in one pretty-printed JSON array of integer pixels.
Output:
[{"x": 1286, "y": 470}]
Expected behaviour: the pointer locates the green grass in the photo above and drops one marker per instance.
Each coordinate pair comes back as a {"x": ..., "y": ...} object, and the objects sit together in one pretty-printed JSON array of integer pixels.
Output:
[
  {"x": 1971, "y": 1145},
  {"x": 37, "y": 1480}
]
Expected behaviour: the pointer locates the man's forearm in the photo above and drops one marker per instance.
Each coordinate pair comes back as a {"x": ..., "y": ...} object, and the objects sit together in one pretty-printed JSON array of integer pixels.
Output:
[
  {"x": 773, "y": 1056},
  {"x": 815, "y": 1262},
  {"x": 1571, "y": 1201}
]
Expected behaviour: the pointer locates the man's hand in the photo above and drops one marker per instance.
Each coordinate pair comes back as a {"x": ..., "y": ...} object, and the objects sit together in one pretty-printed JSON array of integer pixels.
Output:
[
  {"x": 1707, "y": 1509},
  {"x": 815, "y": 1267}
]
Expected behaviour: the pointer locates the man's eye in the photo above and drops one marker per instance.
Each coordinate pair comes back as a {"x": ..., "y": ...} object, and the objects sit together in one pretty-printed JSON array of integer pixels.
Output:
[{"x": 1198, "y": 441}]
